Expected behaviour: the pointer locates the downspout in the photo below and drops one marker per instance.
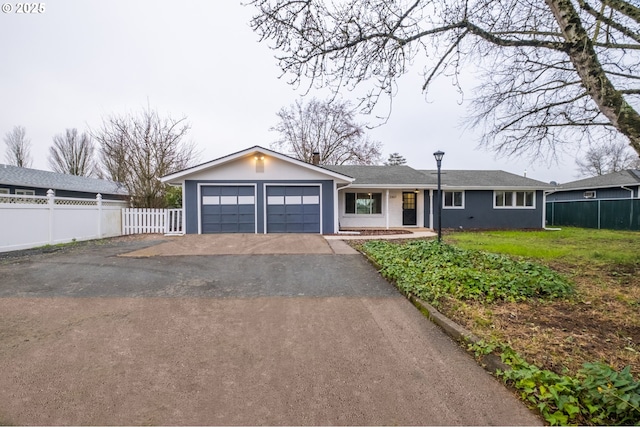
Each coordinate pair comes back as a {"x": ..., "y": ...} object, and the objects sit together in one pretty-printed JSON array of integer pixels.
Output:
[{"x": 631, "y": 209}]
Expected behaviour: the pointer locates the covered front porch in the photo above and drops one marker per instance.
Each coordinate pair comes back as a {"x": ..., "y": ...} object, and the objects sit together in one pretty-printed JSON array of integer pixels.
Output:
[{"x": 384, "y": 208}]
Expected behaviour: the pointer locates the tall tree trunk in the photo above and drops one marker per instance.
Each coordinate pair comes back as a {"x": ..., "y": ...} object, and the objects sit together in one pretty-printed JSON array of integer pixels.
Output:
[{"x": 584, "y": 58}]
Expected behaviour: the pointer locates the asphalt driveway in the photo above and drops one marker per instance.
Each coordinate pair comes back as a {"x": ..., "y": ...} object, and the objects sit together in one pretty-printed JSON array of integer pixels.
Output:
[{"x": 89, "y": 336}]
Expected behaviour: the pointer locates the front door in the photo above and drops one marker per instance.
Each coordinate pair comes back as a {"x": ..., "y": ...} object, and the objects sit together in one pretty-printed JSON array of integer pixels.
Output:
[{"x": 409, "y": 215}]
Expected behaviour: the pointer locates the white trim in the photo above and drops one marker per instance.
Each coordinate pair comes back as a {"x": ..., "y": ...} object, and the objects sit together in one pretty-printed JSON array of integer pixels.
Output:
[
  {"x": 431, "y": 191},
  {"x": 386, "y": 208},
  {"x": 288, "y": 184},
  {"x": 224, "y": 184},
  {"x": 444, "y": 198},
  {"x": 181, "y": 175},
  {"x": 513, "y": 205}
]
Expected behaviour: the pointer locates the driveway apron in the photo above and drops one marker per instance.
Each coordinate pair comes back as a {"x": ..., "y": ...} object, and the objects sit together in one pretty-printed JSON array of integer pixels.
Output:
[{"x": 127, "y": 331}]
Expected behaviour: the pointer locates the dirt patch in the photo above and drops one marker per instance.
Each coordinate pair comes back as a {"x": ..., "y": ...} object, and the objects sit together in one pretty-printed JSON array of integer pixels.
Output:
[{"x": 600, "y": 323}]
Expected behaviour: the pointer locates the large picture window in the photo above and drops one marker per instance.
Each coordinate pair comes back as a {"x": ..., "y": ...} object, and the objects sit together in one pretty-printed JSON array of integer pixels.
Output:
[
  {"x": 514, "y": 199},
  {"x": 454, "y": 199},
  {"x": 363, "y": 203}
]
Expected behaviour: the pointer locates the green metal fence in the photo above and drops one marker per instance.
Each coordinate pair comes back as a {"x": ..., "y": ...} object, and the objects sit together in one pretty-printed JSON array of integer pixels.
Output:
[{"x": 621, "y": 214}]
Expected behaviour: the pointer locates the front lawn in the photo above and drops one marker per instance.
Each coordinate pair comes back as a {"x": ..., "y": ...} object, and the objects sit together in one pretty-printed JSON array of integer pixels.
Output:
[{"x": 559, "y": 299}]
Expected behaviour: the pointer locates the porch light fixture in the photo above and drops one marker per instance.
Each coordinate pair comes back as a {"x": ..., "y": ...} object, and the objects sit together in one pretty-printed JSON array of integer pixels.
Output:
[{"x": 439, "y": 155}]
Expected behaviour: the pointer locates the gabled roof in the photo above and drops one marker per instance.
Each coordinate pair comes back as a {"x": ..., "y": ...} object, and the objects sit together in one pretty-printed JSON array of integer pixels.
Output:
[
  {"x": 180, "y": 175},
  {"x": 383, "y": 176},
  {"x": 493, "y": 179},
  {"x": 614, "y": 179},
  {"x": 17, "y": 176}
]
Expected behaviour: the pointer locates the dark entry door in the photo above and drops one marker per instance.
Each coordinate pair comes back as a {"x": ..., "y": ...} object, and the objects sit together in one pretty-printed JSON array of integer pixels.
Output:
[{"x": 409, "y": 215}]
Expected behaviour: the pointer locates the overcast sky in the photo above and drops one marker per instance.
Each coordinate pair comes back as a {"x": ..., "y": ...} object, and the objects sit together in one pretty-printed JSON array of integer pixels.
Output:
[{"x": 80, "y": 61}]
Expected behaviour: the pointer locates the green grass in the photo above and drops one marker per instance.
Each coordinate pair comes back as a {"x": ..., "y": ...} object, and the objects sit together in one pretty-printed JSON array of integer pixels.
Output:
[{"x": 578, "y": 245}]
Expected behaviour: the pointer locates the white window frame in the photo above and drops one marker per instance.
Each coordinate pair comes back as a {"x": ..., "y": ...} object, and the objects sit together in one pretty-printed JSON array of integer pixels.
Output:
[
  {"x": 590, "y": 194},
  {"x": 355, "y": 213},
  {"x": 444, "y": 199},
  {"x": 4, "y": 191},
  {"x": 514, "y": 199},
  {"x": 24, "y": 192}
]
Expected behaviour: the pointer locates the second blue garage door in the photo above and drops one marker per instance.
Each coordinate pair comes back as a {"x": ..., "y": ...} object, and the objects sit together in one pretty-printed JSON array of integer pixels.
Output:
[{"x": 293, "y": 209}]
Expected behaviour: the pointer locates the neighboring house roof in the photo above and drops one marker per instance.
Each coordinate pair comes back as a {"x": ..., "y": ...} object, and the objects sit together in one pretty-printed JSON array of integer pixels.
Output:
[
  {"x": 494, "y": 179},
  {"x": 17, "y": 176},
  {"x": 384, "y": 176},
  {"x": 614, "y": 179},
  {"x": 181, "y": 175}
]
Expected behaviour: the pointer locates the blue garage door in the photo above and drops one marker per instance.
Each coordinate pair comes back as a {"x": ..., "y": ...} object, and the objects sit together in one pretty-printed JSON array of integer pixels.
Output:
[
  {"x": 293, "y": 209},
  {"x": 228, "y": 209}
]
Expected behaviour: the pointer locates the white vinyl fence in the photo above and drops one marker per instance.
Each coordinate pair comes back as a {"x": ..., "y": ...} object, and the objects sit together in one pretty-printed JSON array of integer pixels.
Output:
[
  {"x": 31, "y": 221},
  {"x": 143, "y": 221}
]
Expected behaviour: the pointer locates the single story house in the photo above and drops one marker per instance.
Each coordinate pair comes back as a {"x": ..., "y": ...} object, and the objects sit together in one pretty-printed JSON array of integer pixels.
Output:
[
  {"x": 258, "y": 190},
  {"x": 616, "y": 185},
  {"x": 609, "y": 201},
  {"x": 34, "y": 182}
]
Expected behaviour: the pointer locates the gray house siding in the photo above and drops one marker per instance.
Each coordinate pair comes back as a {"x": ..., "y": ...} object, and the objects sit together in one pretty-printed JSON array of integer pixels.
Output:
[
  {"x": 601, "y": 193},
  {"x": 479, "y": 213},
  {"x": 192, "y": 204},
  {"x": 38, "y": 191}
]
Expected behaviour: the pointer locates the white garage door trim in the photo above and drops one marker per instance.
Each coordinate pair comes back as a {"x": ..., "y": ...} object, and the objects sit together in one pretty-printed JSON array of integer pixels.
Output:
[
  {"x": 316, "y": 199},
  {"x": 214, "y": 200}
]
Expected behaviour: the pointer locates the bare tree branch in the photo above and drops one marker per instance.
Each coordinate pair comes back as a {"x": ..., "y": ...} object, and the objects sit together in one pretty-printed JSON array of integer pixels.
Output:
[
  {"x": 139, "y": 149},
  {"x": 72, "y": 154},
  {"x": 18, "y": 147},
  {"x": 327, "y": 128}
]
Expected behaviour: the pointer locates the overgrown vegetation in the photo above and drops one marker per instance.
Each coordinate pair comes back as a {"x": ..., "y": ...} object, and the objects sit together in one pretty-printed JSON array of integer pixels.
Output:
[
  {"x": 560, "y": 307},
  {"x": 433, "y": 271}
]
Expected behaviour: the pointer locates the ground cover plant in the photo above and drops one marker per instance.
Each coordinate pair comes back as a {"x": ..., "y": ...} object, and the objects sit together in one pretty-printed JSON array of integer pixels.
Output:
[{"x": 553, "y": 330}]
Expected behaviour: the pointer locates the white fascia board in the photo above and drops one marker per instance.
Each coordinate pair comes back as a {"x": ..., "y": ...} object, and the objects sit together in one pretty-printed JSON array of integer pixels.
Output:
[
  {"x": 387, "y": 186},
  {"x": 180, "y": 176}
]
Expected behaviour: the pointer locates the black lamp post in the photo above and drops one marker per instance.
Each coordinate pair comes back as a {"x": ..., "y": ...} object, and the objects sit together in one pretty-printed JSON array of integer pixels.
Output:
[{"x": 439, "y": 155}]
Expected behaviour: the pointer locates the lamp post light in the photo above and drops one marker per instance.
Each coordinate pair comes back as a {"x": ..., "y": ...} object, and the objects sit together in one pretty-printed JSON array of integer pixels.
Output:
[{"x": 439, "y": 155}]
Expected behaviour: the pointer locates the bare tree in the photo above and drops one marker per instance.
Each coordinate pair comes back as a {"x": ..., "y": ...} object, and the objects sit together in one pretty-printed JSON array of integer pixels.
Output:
[
  {"x": 138, "y": 149},
  {"x": 327, "y": 128},
  {"x": 73, "y": 154},
  {"x": 604, "y": 159},
  {"x": 552, "y": 72},
  {"x": 395, "y": 159},
  {"x": 18, "y": 147}
]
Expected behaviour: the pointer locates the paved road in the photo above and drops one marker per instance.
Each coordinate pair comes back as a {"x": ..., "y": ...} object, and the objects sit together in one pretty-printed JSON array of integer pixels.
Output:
[{"x": 89, "y": 337}]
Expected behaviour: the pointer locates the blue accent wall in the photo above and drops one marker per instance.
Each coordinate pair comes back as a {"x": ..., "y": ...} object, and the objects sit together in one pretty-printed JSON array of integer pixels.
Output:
[
  {"x": 191, "y": 201},
  {"x": 479, "y": 213}
]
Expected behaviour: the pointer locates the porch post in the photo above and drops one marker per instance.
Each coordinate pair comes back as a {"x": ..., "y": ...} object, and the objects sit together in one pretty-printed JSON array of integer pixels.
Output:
[
  {"x": 431, "y": 208},
  {"x": 386, "y": 195}
]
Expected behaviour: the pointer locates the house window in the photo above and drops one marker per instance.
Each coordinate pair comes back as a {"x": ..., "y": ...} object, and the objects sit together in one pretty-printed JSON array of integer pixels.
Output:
[
  {"x": 589, "y": 194},
  {"x": 363, "y": 203},
  {"x": 4, "y": 191},
  {"x": 22, "y": 192},
  {"x": 514, "y": 199},
  {"x": 454, "y": 199}
]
